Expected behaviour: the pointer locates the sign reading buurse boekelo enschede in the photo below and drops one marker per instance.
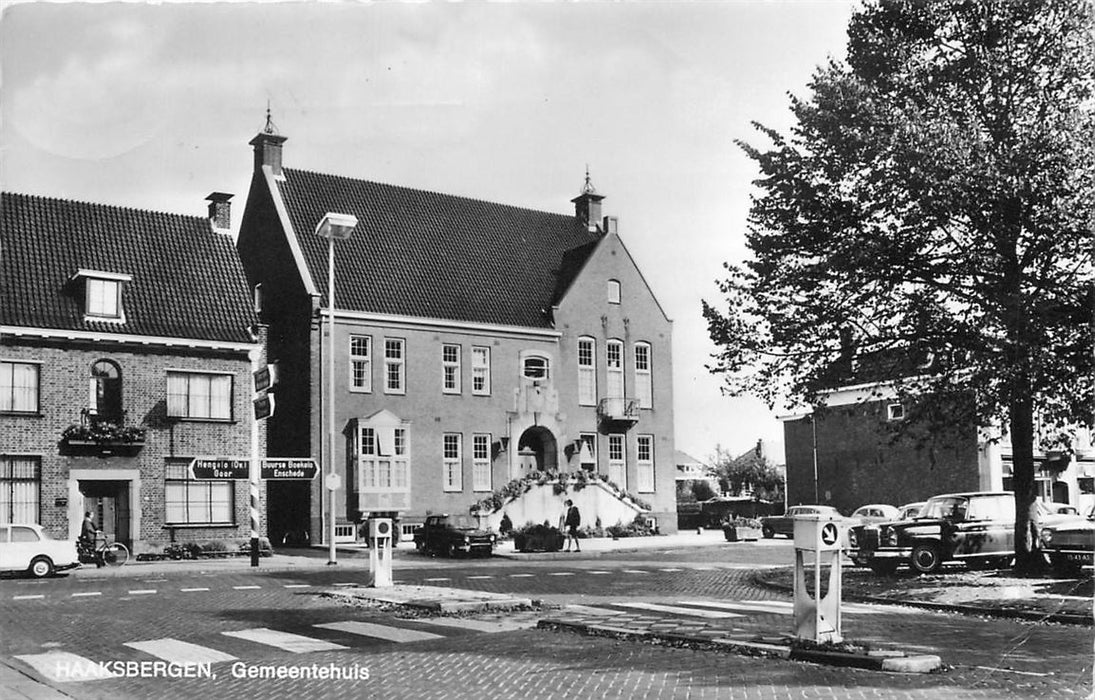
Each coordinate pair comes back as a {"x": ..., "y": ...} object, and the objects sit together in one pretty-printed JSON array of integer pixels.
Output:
[{"x": 238, "y": 468}]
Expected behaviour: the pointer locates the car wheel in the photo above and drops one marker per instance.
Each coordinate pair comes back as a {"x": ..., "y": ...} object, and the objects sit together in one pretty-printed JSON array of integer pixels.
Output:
[
  {"x": 926, "y": 559},
  {"x": 883, "y": 568},
  {"x": 41, "y": 567},
  {"x": 767, "y": 532}
]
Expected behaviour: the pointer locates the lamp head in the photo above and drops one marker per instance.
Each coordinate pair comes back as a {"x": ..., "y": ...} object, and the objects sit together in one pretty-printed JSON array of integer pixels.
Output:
[{"x": 336, "y": 226}]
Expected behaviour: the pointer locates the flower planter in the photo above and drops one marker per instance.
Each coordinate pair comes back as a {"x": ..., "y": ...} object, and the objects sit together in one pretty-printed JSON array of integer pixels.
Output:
[
  {"x": 108, "y": 447},
  {"x": 740, "y": 533},
  {"x": 539, "y": 542}
]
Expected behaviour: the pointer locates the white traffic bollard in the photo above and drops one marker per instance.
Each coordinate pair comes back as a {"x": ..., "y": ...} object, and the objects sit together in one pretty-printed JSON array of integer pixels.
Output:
[
  {"x": 817, "y": 615},
  {"x": 380, "y": 551}
]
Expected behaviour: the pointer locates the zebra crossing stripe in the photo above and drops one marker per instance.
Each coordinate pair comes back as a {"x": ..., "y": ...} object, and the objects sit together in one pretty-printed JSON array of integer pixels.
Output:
[
  {"x": 296, "y": 643},
  {"x": 37, "y": 596},
  {"x": 298, "y": 585},
  {"x": 692, "y": 612},
  {"x": 65, "y": 667},
  {"x": 775, "y": 607},
  {"x": 487, "y": 626},
  {"x": 192, "y": 590},
  {"x": 479, "y": 577},
  {"x": 521, "y": 575},
  {"x": 246, "y": 588},
  {"x": 600, "y": 573},
  {"x": 179, "y": 652},
  {"x": 369, "y": 629},
  {"x": 143, "y": 591},
  {"x": 439, "y": 579},
  {"x": 561, "y": 573}
]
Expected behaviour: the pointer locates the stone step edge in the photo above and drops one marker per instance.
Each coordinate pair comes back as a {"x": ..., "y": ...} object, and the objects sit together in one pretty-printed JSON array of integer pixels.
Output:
[{"x": 916, "y": 663}]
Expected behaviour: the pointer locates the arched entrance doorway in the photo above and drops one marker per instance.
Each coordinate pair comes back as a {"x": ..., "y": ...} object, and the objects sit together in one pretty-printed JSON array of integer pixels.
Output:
[{"x": 537, "y": 451}]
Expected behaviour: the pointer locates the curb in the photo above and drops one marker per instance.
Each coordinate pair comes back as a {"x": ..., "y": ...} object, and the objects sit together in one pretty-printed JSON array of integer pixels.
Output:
[
  {"x": 895, "y": 661},
  {"x": 451, "y": 601},
  {"x": 1064, "y": 618}
]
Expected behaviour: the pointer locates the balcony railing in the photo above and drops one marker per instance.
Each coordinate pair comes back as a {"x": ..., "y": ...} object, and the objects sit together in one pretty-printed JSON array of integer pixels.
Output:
[{"x": 619, "y": 410}]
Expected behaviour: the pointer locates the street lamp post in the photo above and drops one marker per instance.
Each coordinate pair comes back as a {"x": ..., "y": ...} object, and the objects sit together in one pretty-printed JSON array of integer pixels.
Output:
[{"x": 332, "y": 227}]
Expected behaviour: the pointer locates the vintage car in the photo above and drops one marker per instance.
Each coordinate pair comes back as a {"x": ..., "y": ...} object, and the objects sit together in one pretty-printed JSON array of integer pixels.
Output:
[
  {"x": 27, "y": 548},
  {"x": 875, "y": 513},
  {"x": 910, "y": 510},
  {"x": 1069, "y": 545},
  {"x": 977, "y": 528},
  {"x": 452, "y": 535},
  {"x": 772, "y": 525}
]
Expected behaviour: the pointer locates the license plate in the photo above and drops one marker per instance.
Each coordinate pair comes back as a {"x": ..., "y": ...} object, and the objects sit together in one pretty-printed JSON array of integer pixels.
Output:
[{"x": 1082, "y": 558}]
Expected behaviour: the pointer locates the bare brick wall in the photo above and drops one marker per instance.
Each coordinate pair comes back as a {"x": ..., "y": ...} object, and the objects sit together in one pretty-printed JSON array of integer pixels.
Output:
[
  {"x": 860, "y": 459},
  {"x": 64, "y": 376}
]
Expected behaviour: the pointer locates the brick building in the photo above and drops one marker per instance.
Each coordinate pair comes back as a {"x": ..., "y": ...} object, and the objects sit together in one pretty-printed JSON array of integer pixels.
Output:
[
  {"x": 867, "y": 445},
  {"x": 126, "y": 339},
  {"x": 474, "y": 343}
]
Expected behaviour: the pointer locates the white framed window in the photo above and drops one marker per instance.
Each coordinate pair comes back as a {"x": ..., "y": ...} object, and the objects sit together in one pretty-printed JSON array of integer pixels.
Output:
[
  {"x": 199, "y": 395},
  {"x": 450, "y": 368},
  {"x": 19, "y": 387},
  {"x": 104, "y": 298},
  {"x": 20, "y": 489},
  {"x": 361, "y": 363},
  {"x": 644, "y": 385},
  {"x": 480, "y": 462},
  {"x": 395, "y": 372},
  {"x": 617, "y": 461},
  {"x": 614, "y": 367},
  {"x": 383, "y": 459},
  {"x": 536, "y": 367},
  {"x": 189, "y": 501},
  {"x": 644, "y": 463},
  {"x": 480, "y": 370},
  {"x": 587, "y": 372},
  {"x": 256, "y": 297},
  {"x": 587, "y": 453},
  {"x": 452, "y": 461},
  {"x": 614, "y": 291},
  {"x": 895, "y": 411}
]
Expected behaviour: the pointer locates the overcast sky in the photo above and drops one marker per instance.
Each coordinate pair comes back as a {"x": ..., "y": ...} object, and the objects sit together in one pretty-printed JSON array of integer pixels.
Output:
[{"x": 152, "y": 106}]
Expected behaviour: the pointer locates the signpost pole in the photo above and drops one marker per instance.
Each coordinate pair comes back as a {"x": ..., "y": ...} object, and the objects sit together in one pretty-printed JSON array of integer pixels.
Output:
[{"x": 253, "y": 473}]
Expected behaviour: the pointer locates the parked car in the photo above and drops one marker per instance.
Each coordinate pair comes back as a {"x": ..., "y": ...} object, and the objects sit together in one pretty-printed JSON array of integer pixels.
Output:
[
  {"x": 910, "y": 510},
  {"x": 772, "y": 525},
  {"x": 29, "y": 548},
  {"x": 1063, "y": 509},
  {"x": 1070, "y": 545},
  {"x": 875, "y": 513},
  {"x": 977, "y": 528},
  {"x": 453, "y": 534}
]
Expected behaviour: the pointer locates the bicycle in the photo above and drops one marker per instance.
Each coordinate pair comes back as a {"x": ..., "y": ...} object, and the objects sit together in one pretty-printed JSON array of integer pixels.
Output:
[{"x": 102, "y": 552}]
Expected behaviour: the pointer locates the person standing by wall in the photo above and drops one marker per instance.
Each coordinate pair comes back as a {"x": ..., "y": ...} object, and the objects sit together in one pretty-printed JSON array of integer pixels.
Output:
[{"x": 571, "y": 522}]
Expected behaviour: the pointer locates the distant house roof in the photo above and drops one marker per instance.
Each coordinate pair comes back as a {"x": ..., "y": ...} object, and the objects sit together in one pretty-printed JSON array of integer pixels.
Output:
[
  {"x": 180, "y": 279},
  {"x": 423, "y": 254}
]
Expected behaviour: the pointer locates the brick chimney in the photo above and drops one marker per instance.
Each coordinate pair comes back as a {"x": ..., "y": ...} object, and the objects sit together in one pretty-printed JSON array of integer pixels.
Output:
[
  {"x": 587, "y": 205},
  {"x": 268, "y": 151},
  {"x": 220, "y": 211},
  {"x": 267, "y": 145}
]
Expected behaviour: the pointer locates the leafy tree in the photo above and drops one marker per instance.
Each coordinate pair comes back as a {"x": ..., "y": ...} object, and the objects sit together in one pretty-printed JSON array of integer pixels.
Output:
[
  {"x": 749, "y": 471},
  {"x": 702, "y": 491},
  {"x": 934, "y": 200}
]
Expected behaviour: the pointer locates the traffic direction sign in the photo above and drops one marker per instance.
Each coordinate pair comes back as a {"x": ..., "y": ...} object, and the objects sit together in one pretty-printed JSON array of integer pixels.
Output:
[
  {"x": 289, "y": 468},
  {"x": 220, "y": 468}
]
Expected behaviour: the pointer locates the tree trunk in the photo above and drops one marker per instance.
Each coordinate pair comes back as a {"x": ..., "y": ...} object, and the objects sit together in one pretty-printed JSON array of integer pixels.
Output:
[{"x": 1028, "y": 554}]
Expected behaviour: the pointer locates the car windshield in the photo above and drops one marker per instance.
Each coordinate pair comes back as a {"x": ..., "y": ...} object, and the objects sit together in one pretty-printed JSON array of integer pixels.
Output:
[{"x": 463, "y": 522}]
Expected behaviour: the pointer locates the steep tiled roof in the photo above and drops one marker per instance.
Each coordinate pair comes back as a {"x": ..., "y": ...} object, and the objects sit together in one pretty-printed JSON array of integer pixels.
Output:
[
  {"x": 430, "y": 255},
  {"x": 186, "y": 280}
]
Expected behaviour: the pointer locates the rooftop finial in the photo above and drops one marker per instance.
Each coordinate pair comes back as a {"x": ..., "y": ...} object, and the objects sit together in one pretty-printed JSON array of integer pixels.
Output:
[
  {"x": 269, "y": 128},
  {"x": 588, "y": 187}
]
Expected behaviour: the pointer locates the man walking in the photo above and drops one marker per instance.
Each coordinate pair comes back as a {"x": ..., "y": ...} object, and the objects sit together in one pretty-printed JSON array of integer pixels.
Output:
[{"x": 571, "y": 523}]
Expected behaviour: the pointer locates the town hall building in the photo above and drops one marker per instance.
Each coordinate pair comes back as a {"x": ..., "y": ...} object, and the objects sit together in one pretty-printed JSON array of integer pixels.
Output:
[{"x": 474, "y": 343}]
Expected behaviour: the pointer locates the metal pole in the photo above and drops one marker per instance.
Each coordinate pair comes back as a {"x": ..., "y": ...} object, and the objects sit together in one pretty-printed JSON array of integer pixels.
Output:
[
  {"x": 813, "y": 427},
  {"x": 331, "y": 554},
  {"x": 254, "y": 471}
]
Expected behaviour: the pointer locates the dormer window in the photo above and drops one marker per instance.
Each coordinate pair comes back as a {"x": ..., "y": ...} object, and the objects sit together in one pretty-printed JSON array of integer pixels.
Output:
[{"x": 103, "y": 295}]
